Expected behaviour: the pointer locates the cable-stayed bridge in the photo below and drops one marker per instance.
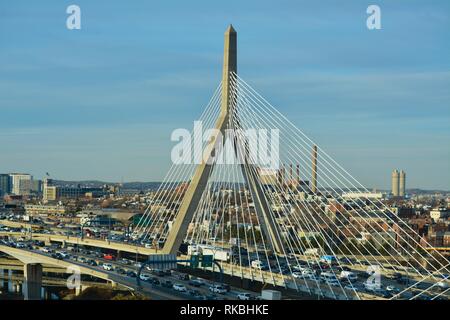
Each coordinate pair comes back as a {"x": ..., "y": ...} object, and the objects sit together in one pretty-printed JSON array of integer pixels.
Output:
[{"x": 271, "y": 205}]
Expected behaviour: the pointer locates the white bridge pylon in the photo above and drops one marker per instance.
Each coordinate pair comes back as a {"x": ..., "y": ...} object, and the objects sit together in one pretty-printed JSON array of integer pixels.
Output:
[{"x": 284, "y": 220}]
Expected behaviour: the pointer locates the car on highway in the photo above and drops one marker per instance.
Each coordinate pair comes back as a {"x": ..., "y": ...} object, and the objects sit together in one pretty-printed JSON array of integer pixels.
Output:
[
  {"x": 260, "y": 265},
  {"x": 227, "y": 287},
  {"x": 217, "y": 288},
  {"x": 167, "y": 284},
  {"x": 348, "y": 275},
  {"x": 120, "y": 270},
  {"x": 194, "y": 293},
  {"x": 179, "y": 275},
  {"x": 300, "y": 267},
  {"x": 57, "y": 256},
  {"x": 372, "y": 286},
  {"x": 244, "y": 296},
  {"x": 144, "y": 277},
  {"x": 329, "y": 278},
  {"x": 131, "y": 274},
  {"x": 92, "y": 263},
  {"x": 305, "y": 274},
  {"x": 343, "y": 268},
  {"x": 196, "y": 282},
  {"x": 392, "y": 289},
  {"x": 108, "y": 256},
  {"x": 396, "y": 276},
  {"x": 179, "y": 287},
  {"x": 347, "y": 260},
  {"x": 108, "y": 266},
  {"x": 443, "y": 285},
  {"x": 21, "y": 245},
  {"x": 158, "y": 272}
]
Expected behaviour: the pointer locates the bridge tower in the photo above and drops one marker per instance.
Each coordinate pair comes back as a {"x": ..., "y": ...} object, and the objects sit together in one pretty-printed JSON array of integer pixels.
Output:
[{"x": 199, "y": 181}]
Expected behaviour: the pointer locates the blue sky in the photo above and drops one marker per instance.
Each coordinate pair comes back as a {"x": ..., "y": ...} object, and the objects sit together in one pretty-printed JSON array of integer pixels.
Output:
[{"x": 101, "y": 102}]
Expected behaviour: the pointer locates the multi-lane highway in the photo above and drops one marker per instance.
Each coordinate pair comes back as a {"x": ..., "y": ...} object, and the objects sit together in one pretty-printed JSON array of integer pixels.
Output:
[
  {"x": 389, "y": 278},
  {"x": 156, "y": 284}
]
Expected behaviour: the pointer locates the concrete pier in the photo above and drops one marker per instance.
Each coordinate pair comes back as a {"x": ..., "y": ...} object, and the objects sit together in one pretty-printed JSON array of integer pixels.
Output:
[{"x": 32, "y": 273}]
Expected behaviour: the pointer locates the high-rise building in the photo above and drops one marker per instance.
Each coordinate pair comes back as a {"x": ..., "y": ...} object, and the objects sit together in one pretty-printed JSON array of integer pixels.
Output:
[
  {"x": 5, "y": 184},
  {"x": 402, "y": 184},
  {"x": 36, "y": 186},
  {"x": 20, "y": 183},
  {"x": 395, "y": 183},
  {"x": 48, "y": 191}
]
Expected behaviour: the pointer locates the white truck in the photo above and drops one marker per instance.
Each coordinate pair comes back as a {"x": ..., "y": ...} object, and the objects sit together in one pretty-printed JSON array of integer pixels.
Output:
[
  {"x": 218, "y": 253},
  {"x": 270, "y": 295}
]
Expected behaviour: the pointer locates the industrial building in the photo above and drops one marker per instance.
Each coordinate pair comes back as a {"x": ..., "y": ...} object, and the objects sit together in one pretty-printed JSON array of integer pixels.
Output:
[{"x": 398, "y": 183}]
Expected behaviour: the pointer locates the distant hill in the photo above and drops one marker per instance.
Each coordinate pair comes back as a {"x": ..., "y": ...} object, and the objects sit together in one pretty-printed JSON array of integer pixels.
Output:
[
  {"x": 153, "y": 185},
  {"x": 97, "y": 183}
]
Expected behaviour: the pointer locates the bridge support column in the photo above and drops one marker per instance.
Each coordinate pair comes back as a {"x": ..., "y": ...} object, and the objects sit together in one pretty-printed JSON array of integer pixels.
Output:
[{"x": 33, "y": 281}]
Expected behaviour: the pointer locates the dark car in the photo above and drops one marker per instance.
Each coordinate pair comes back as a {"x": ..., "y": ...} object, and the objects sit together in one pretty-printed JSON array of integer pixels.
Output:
[
  {"x": 194, "y": 293},
  {"x": 158, "y": 273},
  {"x": 195, "y": 283},
  {"x": 167, "y": 284},
  {"x": 227, "y": 287},
  {"x": 344, "y": 268},
  {"x": 396, "y": 276},
  {"x": 386, "y": 294},
  {"x": 57, "y": 256},
  {"x": 92, "y": 263},
  {"x": 154, "y": 281},
  {"x": 131, "y": 274},
  {"x": 120, "y": 271}
]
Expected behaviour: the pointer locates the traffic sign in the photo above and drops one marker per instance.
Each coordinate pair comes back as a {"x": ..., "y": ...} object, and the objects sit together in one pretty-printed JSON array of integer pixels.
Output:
[
  {"x": 207, "y": 261},
  {"x": 163, "y": 261},
  {"x": 194, "y": 261}
]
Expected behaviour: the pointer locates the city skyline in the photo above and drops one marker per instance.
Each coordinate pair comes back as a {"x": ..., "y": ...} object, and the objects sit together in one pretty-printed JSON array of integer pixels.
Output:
[{"x": 100, "y": 103}]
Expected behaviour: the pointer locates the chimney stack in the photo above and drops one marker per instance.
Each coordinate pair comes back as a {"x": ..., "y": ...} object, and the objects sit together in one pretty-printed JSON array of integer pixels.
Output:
[{"x": 314, "y": 169}]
